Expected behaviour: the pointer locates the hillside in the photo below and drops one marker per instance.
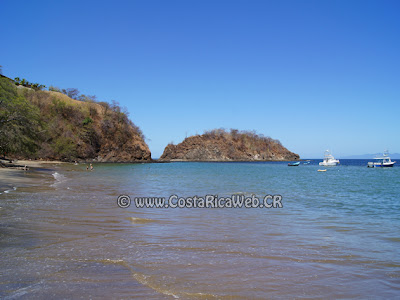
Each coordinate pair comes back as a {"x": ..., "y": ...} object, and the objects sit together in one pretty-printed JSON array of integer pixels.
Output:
[
  {"x": 220, "y": 145},
  {"x": 41, "y": 124}
]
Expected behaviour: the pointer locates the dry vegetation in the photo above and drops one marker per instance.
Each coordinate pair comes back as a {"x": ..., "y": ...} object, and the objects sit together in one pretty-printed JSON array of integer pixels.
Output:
[{"x": 219, "y": 144}]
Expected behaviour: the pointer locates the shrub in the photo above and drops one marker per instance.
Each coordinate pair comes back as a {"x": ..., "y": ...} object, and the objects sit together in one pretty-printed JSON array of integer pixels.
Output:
[
  {"x": 87, "y": 121},
  {"x": 54, "y": 89}
]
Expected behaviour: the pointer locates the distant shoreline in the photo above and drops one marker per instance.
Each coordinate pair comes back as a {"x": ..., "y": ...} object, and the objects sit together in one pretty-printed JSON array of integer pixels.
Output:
[
  {"x": 44, "y": 163},
  {"x": 47, "y": 163}
]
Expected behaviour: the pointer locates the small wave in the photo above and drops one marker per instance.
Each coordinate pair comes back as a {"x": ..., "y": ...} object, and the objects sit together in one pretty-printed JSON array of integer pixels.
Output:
[
  {"x": 59, "y": 178},
  {"x": 146, "y": 281},
  {"x": 8, "y": 191},
  {"x": 135, "y": 220},
  {"x": 156, "y": 285},
  {"x": 25, "y": 290},
  {"x": 113, "y": 261}
]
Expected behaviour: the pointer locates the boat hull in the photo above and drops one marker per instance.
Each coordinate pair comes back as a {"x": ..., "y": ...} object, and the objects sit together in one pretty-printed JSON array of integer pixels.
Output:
[
  {"x": 328, "y": 164},
  {"x": 383, "y": 165}
]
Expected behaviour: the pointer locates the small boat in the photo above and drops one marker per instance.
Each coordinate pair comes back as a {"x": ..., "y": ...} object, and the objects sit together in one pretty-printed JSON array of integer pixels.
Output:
[
  {"x": 306, "y": 163},
  {"x": 294, "y": 164},
  {"x": 319, "y": 170},
  {"x": 382, "y": 162},
  {"x": 329, "y": 160}
]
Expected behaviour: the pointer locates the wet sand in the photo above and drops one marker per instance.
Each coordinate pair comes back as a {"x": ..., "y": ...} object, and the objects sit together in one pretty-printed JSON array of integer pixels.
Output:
[
  {"x": 12, "y": 177},
  {"x": 38, "y": 163}
]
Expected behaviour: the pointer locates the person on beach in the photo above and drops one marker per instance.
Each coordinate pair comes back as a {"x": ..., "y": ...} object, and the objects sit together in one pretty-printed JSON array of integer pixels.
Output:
[
  {"x": 91, "y": 167},
  {"x": 87, "y": 168}
]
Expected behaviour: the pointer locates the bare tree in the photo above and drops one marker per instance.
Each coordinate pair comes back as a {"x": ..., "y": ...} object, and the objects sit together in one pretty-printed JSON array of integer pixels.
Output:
[{"x": 71, "y": 92}]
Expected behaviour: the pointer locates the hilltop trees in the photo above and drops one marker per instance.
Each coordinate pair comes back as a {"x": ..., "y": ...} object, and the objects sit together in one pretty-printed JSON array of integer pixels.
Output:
[
  {"x": 26, "y": 83},
  {"x": 74, "y": 94},
  {"x": 71, "y": 92}
]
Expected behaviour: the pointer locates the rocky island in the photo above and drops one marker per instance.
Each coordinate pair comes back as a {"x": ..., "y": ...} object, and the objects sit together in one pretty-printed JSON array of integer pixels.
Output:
[{"x": 220, "y": 145}]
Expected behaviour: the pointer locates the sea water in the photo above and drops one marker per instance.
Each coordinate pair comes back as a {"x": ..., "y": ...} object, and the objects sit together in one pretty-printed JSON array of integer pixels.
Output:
[{"x": 337, "y": 234}]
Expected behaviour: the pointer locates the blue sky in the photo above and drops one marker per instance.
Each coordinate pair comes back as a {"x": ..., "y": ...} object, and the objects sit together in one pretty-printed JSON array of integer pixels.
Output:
[{"x": 313, "y": 74}]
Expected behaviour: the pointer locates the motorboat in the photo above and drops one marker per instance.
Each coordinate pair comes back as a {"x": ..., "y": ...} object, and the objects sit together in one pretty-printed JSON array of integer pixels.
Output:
[
  {"x": 293, "y": 164},
  {"x": 329, "y": 160},
  {"x": 382, "y": 161}
]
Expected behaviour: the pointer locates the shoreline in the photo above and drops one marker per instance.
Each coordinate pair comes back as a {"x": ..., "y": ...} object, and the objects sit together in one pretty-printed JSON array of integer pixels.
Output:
[
  {"x": 22, "y": 173},
  {"x": 244, "y": 160},
  {"x": 44, "y": 163},
  {"x": 15, "y": 163}
]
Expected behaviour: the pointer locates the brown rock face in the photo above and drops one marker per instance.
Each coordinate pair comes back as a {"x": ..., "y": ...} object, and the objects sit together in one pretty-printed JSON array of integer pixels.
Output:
[
  {"x": 219, "y": 145},
  {"x": 134, "y": 150}
]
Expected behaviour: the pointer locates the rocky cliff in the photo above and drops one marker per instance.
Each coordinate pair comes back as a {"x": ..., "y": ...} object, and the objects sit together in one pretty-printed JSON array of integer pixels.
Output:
[{"x": 219, "y": 145}]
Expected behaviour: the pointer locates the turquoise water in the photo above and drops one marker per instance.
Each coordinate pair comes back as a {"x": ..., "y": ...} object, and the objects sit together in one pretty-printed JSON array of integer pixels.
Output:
[{"x": 336, "y": 236}]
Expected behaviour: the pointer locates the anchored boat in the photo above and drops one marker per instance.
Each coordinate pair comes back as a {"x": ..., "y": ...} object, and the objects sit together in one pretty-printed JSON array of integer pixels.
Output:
[
  {"x": 382, "y": 162},
  {"x": 329, "y": 160}
]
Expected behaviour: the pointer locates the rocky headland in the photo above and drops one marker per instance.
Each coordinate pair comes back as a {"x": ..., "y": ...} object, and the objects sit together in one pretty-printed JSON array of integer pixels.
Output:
[{"x": 220, "y": 145}]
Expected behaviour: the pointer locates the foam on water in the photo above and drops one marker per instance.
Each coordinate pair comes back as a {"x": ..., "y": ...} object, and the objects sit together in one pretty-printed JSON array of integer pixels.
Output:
[
  {"x": 8, "y": 191},
  {"x": 59, "y": 178},
  {"x": 136, "y": 220}
]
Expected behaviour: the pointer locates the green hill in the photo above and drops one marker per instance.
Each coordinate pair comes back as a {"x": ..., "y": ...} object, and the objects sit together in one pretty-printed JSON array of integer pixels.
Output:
[{"x": 40, "y": 124}]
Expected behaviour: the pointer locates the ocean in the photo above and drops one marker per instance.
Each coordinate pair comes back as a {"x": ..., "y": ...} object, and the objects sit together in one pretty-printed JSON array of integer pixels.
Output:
[{"x": 336, "y": 234}]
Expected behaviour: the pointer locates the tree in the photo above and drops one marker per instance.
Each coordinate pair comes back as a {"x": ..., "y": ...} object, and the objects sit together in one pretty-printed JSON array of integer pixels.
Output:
[
  {"x": 87, "y": 98},
  {"x": 24, "y": 82},
  {"x": 37, "y": 86},
  {"x": 54, "y": 89},
  {"x": 72, "y": 93},
  {"x": 19, "y": 121}
]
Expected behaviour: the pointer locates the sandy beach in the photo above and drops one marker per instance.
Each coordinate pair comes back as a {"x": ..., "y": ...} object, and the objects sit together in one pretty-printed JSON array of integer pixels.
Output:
[
  {"x": 11, "y": 177},
  {"x": 37, "y": 163}
]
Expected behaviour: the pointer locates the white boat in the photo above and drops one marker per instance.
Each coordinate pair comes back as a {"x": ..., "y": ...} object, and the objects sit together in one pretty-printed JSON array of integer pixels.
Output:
[
  {"x": 329, "y": 160},
  {"x": 382, "y": 162}
]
